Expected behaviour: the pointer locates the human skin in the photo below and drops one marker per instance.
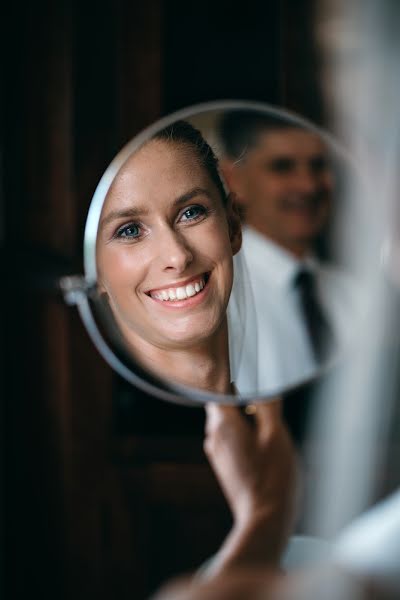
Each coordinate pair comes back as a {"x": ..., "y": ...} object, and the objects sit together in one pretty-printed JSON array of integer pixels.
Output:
[
  {"x": 164, "y": 226},
  {"x": 255, "y": 465},
  {"x": 254, "y": 583},
  {"x": 285, "y": 185},
  {"x": 256, "y": 468}
]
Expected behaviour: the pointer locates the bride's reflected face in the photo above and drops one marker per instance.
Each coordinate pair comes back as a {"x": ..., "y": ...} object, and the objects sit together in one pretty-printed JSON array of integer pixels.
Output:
[{"x": 164, "y": 249}]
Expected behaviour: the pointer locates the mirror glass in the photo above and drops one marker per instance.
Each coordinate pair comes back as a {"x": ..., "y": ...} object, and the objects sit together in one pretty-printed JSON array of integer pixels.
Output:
[{"x": 214, "y": 258}]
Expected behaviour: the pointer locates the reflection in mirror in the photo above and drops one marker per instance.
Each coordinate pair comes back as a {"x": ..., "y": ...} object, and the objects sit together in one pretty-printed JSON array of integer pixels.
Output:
[
  {"x": 167, "y": 237},
  {"x": 286, "y": 180},
  {"x": 216, "y": 256}
]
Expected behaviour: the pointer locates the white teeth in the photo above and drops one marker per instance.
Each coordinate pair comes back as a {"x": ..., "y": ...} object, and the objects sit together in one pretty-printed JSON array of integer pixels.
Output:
[{"x": 180, "y": 293}]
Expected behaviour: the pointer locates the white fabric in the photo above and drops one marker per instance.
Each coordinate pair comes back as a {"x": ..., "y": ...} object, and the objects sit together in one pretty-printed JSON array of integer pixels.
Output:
[
  {"x": 301, "y": 552},
  {"x": 371, "y": 544},
  {"x": 242, "y": 327},
  {"x": 284, "y": 354},
  {"x": 305, "y": 551}
]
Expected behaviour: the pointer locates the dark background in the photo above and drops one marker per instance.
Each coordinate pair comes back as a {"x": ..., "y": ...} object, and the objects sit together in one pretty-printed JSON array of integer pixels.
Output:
[{"x": 106, "y": 493}]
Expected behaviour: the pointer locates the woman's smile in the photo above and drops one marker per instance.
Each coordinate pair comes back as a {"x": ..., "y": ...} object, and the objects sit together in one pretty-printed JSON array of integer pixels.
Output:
[{"x": 182, "y": 294}]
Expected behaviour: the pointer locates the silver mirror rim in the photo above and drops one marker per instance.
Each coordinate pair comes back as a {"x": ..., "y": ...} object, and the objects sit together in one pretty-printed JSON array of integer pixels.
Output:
[{"x": 184, "y": 395}]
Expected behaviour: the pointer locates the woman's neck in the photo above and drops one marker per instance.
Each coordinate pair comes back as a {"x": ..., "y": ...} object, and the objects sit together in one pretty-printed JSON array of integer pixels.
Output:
[{"x": 203, "y": 366}]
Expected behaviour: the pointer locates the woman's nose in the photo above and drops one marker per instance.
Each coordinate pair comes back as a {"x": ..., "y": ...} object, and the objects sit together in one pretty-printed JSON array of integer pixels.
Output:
[{"x": 175, "y": 253}]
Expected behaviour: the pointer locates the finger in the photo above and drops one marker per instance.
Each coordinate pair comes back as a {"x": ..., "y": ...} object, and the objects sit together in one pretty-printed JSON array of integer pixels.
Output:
[
  {"x": 217, "y": 415},
  {"x": 218, "y": 428},
  {"x": 225, "y": 422},
  {"x": 268, "y": 414}
]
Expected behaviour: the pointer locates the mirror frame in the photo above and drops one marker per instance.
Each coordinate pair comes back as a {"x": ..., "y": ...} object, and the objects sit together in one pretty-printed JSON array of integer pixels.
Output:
[{"x": 79, "y": 291}]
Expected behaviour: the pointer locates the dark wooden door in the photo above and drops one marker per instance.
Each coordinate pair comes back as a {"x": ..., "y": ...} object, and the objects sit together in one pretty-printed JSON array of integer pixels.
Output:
[{"x": 105, "y": 496}]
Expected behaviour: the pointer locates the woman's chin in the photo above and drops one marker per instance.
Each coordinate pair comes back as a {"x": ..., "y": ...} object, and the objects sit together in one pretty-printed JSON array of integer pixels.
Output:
[{"x": 189, "y": 341}]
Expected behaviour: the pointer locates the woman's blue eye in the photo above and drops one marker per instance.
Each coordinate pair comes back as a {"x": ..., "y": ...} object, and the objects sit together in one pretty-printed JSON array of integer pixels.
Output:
[
  {"x": 129, "y": 231},
  {"x": 193, "y": 212}
]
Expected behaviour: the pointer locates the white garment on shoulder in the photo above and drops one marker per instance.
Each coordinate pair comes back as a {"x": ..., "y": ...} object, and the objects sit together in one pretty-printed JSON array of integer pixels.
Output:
[
  {"x": 370, "y": 546},
  {"x": 284, "y": 353}
]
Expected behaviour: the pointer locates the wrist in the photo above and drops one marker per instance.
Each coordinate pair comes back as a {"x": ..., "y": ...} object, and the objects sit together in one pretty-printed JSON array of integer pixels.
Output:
[
  {"x": 253, "y": 542},
  {"x": 265, "y": 531}
]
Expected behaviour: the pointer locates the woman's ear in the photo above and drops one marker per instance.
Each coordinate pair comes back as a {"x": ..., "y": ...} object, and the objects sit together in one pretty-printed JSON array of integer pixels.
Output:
[
  {"x": 234, "y": 223},
  {"x": 233, "y": 177}
]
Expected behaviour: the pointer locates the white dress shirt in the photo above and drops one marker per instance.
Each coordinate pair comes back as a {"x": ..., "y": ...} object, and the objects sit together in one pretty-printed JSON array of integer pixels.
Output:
[{"x": 282, "y": 347}]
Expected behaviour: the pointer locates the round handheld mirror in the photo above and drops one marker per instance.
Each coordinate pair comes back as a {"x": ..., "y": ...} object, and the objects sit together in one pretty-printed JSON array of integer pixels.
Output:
[{"x": 212, "y": 270}]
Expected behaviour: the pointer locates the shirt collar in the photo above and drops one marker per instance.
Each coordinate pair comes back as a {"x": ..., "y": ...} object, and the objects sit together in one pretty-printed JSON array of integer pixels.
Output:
[{"x": 277, "y": 264}]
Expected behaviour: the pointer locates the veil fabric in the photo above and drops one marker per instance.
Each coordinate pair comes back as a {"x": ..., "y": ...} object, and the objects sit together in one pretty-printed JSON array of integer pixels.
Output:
[{"x": 242, "y": 329}]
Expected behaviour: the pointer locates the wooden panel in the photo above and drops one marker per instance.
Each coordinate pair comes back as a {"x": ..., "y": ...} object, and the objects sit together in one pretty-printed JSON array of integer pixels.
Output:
[
  {"x": 139, "y": 66},
  {"x": 220, "y": 50},
  {"x": 59, "y": 133},
  {"x": 94, "y": 103},
  {"x": 85, "y": 451},
  {"x": 36, "y": 396},
  {"x": 300, "y": 90},
  {"x": 181, "y": 518},
  {"x": 43, "y": 82}
]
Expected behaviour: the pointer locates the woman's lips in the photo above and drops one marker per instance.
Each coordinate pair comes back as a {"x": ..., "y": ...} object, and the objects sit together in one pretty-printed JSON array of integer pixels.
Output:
[{"x": 183, "y": 294}]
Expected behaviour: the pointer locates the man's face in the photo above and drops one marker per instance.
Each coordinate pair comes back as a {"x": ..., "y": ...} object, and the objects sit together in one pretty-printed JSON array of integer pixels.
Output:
[{"x": 285, "y": 183}]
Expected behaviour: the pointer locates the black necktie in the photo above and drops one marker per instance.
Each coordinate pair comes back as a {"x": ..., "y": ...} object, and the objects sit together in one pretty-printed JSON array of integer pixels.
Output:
[{"x": 319, "y": 331}]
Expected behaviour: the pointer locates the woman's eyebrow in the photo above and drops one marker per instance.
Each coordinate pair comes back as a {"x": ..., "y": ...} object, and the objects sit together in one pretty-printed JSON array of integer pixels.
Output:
[
  {"x": 125, "y": 213},
  {"x": 197, "y": 191},
  {"x": 137, "y": 211}
]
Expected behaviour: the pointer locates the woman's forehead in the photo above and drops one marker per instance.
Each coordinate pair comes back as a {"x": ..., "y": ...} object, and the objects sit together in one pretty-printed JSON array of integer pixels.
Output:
[
  {"x": 158, "y": 170},
  {"x": 159, "y": 158}
]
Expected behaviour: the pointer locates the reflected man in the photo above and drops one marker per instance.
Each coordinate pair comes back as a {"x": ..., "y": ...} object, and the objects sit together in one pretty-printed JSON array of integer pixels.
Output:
[{"x": 282, "y": 177}]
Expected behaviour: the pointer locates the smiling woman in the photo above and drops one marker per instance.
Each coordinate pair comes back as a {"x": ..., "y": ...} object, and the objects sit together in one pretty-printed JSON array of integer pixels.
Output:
[{"x": 167, "y": 236}]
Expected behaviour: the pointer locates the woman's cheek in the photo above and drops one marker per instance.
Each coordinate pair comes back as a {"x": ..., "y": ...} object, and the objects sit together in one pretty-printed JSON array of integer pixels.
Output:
[
  {"x": 114, "y": 274},
  {"x": 123, "y": 267},
  {"x": 217, "y": 245}
]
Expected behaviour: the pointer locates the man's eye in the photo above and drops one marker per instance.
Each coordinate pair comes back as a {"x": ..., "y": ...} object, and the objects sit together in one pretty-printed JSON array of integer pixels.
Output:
[
  {"x": 130, "y": 231},
  {"x": 193, "y": 212}
]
